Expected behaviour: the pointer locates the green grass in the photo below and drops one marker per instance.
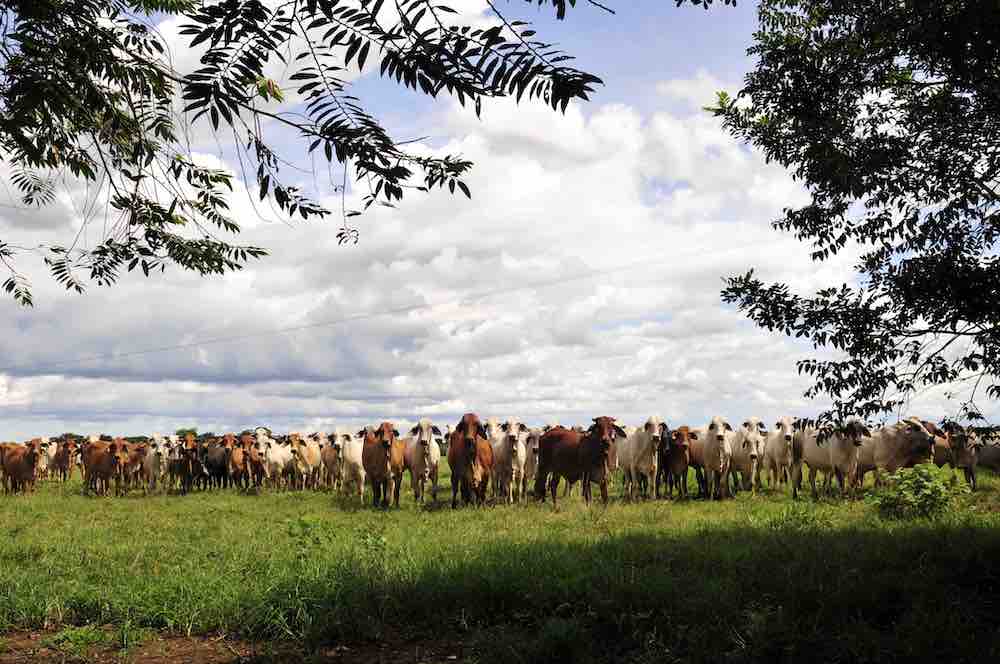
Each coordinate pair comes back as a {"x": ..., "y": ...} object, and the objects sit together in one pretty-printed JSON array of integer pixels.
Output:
[{"x": 743, "y": 580}]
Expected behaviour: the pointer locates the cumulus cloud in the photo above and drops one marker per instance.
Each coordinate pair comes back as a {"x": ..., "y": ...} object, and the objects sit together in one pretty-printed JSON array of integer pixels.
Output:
[{"x": 582, "y": 279}]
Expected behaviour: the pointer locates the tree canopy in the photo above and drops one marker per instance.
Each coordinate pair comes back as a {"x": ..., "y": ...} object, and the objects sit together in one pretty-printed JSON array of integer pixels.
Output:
[
  {"x": 889, "y": 114},
  {"x": 87, "y": 90}
]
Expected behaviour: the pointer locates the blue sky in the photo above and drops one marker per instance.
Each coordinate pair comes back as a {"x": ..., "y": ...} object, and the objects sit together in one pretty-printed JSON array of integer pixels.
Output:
[{"x": 639, "y": 192}]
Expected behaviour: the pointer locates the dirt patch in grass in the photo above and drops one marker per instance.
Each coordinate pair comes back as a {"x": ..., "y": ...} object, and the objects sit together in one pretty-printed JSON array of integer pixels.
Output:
[{"x": 71, "y": 647}]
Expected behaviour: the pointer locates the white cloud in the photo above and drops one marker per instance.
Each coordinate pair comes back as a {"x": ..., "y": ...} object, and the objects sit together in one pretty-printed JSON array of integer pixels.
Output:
[{"x": 657, "y": 209}]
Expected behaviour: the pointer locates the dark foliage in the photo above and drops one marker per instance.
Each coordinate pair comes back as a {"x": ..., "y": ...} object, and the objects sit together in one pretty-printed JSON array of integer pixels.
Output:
[
  {"x": 889, "y": 114},
  {"x": 87, "y": 91}
]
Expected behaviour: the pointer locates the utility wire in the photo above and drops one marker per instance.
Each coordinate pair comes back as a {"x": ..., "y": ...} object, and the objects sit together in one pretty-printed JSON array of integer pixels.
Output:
[{"x": 27, "y": 368}]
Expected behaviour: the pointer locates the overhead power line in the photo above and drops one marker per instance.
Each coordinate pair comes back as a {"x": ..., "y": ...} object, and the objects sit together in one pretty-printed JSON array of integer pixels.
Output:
[{"x": 353, "y": 318}]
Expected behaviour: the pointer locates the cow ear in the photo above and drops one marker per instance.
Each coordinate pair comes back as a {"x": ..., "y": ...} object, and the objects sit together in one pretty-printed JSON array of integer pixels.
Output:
[
  {"x": 727, "y": 427},
  {"x": 693, "y": 435},
  {"x": 620, "y": 431},
  {"x": 415, "y": 429},
  {"x": 395, "y": 433},
  {"x": 482, "y": 430},
  {"x": 522, "y": 426},
  {"x": 435, "y": 430},
  {"x": 362, "y": 433},
  {"x": 504, "y": 427},
  {"x": 675, "y": 435}
]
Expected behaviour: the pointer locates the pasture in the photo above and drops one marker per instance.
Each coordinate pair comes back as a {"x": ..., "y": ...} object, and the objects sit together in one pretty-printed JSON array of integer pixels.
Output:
[{"x": 747, "y": 579}]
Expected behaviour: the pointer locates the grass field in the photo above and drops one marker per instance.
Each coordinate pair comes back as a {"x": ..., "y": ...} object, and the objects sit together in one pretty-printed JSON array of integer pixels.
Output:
[{"x": 743, "y": 580}]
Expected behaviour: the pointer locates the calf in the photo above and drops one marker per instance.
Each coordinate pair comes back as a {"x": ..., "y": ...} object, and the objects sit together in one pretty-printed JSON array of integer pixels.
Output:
[
  {"x": 470, "y": 458},
  {"x": 217, "y": 454},
  {"x": 678, "y": 459},
  {"x": 576, "y": 456},
  {"x": 383, "y": 459},
  {"x": 422, "y": 457}
]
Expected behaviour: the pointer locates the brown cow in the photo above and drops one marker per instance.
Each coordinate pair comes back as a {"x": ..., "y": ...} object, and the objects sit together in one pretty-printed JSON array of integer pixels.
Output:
[
  {"x": 696, "y": 460},
  {"x": 104, "y": 461},
  {"x": 19, "y": 462},
  {"x": 678, "y": 459},
  {"x": 470, "y": 457},
  {"x": 238, "y": 469},
  {"x": 62, "y": 463},
  {"x": 380, "y": 456},
  {"x": 256, "y": 468},
  {"x": 573, "y": 455},
  {"x": 132, "y": 473}
]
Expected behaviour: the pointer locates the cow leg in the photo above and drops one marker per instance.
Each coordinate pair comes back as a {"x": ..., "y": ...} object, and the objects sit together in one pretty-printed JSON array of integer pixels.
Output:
[{"x": 554, "y": 488}]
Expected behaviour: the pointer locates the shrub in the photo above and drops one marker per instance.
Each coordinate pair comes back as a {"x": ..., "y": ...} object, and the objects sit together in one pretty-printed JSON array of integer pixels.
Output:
[{"x": 918, "y": 492}]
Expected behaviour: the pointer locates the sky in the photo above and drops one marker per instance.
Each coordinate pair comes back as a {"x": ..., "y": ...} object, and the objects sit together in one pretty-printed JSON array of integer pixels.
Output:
[{"x": 582, "y": 278}]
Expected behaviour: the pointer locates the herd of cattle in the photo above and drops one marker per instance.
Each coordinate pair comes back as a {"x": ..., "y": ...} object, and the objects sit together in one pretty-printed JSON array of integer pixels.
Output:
[{"x": 518, "y": 462}]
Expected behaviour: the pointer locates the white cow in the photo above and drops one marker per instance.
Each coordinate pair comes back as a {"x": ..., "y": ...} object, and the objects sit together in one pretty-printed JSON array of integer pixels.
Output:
[
  {"x": 277, "y": 456},
  {"x": 890, "y": 448},
  {"x": 354, "y": 469},
  {"x": 154, "y": 464},
  {"x": 637, "y": 457},
  {"x": 422, "y": 455},
  {"x": 333, "y": 458},
  {"x": 46, "y": 456},
  {"x": 778, "y": 452},
  {"x": 530, "y": 460},
  {"x": 718, "y": 451},
  {"x": 495, "y": 436},
  {"x": 837, "y": 455},
  {"x": 508, "y": 459},
  {"x": 748, "y": 452}
]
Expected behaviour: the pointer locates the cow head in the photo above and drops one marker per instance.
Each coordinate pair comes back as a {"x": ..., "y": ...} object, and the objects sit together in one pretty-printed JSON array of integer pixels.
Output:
[
  {"x": 470, "y": 427},
  {"x": 118, "y": 449},
  {"x": 605, "y": 430},
  {"x": 718, "y": 428},
  {"x": 680, "y": 441},
  {"x": 856, "y": 432},
  {"x": 753, "y": 432},
  {"x": 514, "y": 429},
  {"x": 658, "y": 431},
  {"x": 784, "y": 429},
  {"x": 964, "y": 444},
  {"x": 493, "y": 429},
  {"x": 531, "y": 442},
  {"x": 921, "y": 440},
  {"x": 386, "y": 434}
]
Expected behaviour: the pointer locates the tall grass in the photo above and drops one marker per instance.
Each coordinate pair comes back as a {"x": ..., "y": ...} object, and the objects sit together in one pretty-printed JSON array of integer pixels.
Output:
[{"x": 744, "y": 579}]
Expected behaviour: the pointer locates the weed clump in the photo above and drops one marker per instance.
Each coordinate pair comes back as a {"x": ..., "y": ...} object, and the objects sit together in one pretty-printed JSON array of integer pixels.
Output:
[{"x": 921, "y": 492}]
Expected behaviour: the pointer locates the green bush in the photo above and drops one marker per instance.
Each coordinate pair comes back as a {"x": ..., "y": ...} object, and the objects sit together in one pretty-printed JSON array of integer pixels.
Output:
[{"x": 911, "y": 493}]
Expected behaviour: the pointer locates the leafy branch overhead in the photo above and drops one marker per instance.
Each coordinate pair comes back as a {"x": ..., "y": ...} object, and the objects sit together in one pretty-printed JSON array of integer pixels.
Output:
[
  {"x": 889, "y": 115},
  {"x": 88, "y": 91}
]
